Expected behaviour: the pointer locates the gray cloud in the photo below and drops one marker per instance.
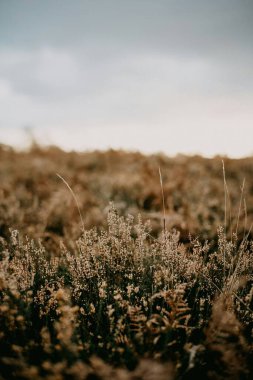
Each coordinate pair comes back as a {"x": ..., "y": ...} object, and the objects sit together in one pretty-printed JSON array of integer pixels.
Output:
[
  {"x": 178, "y": 65},
  {"x": 96, "y": 34},
  {"x": 179, "y": 25}
]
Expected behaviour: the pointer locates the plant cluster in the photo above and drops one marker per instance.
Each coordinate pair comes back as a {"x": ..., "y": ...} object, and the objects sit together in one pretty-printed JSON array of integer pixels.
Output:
[
  {"x": 34, "y": 200},
  {"x": 116, "y": 301}
]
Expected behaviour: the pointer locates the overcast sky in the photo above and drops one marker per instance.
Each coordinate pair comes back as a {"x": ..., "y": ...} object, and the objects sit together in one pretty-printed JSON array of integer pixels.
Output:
[{"x": 161, "y": 75}]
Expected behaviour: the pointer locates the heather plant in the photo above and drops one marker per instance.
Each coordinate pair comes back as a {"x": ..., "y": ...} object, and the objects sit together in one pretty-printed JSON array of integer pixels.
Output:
[
  {"x": 125, "y": 299},
  {"x": 121, "y": 295}
]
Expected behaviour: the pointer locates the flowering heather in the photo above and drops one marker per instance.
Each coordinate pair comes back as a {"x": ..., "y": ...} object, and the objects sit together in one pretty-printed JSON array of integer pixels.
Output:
[{"x": 124, "y": 297}]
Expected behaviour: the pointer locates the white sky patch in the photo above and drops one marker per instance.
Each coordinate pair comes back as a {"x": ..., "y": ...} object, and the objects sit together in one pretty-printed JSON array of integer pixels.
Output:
[
  {"x": 5, "y": 89},
  {"x": 56, "y": 69},
  {"x": 135, "y": 101},
  {"x": 170, "y": 139}
]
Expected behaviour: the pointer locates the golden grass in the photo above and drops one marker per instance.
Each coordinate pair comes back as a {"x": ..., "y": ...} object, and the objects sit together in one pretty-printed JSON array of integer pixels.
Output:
[{"x": 117, "y": 296}]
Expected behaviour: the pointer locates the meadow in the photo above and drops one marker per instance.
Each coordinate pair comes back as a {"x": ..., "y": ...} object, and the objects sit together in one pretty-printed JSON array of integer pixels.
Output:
[{"x": 117, "y": 265}]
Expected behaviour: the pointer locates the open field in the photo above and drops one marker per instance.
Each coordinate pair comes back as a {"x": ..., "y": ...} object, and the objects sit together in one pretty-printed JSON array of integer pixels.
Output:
[{"x": 123, "y": 292}]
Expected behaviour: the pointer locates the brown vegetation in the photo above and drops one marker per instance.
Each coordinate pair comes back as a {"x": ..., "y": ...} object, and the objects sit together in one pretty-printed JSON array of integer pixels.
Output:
[{"x": 124, "y": 298}]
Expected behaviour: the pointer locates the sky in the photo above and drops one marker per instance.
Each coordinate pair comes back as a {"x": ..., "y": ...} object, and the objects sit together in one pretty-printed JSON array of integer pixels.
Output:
[{"x": 172, "y": 76}]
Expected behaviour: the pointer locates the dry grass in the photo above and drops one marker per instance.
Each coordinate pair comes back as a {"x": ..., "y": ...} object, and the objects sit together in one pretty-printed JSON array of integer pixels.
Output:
[{"x": 124, "y": 298}]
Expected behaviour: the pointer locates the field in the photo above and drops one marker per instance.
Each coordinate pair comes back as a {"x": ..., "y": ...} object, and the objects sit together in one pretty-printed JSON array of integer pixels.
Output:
[{"x": 109, "y": 270}]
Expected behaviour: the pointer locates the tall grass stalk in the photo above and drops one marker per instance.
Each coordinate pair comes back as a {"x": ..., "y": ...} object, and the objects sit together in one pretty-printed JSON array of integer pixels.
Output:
[
  {"x": 163, "y": 200},
  {"x": 75, "y": 199}
]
